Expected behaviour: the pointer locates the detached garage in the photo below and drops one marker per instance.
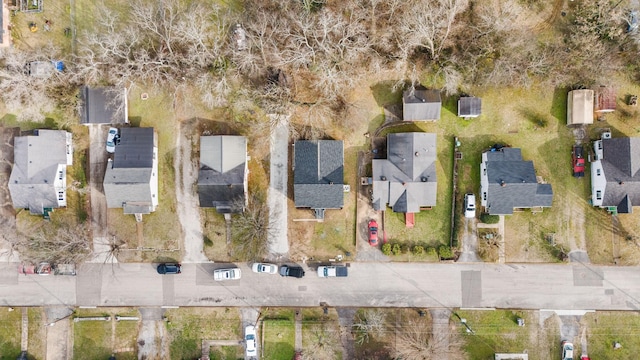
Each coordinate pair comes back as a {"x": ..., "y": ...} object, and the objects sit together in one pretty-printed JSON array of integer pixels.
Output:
[{"x": 580, "y": 107}]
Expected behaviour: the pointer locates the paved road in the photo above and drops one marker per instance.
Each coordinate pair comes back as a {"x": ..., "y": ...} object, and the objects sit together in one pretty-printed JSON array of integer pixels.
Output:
[{"x": 562, "y": 286}]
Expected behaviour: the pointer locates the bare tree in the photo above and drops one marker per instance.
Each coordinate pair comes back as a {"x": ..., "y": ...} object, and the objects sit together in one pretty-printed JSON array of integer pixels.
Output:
[
  {"x": 323, "y": 344},
  {"x": 250, "y": 230},
  {"x": 64, "y": 245},
  {"x": 372, "y": 322},
  {"x": 415, "y": 341}
]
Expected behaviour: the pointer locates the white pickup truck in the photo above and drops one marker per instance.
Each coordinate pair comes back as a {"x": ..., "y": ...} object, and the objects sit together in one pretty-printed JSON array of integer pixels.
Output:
[
  {"x": 333, "y": 271},
  {"x": 226, "y": 274}
]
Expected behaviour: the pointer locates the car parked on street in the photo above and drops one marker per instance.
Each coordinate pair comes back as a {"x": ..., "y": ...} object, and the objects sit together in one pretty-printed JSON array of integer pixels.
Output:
[
  {"x": 169, "y": 268},
  {"x": 469, "y": 206},
  {"x": 333, "y": 271},
  {"x": 567, "y": 350},
  {"x": 373, "y": 233},
  {"x": 227, "y": 274},
  {"x": 250, "y": 341},
  {"x": 293, "y": 271},
  {"x": 263, "y": 268},
  {"x": 577, "y": 161},
  {"x": 112, "y": 139}
]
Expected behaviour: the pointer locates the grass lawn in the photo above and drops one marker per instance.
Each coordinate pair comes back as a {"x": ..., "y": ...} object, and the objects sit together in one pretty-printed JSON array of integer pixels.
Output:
[
  {"x": 605, "y": 328},
  {"x": 226, "y": 353},
  {"x": 37, "y": 333},
  {"x": 10, "y": 330},
  {"x": 99, "y": 339},
  {"x": 497, "y": 331},
  {"x": 187, "y": 327},
  {"x": 321, "y": 333},
  {"x": 278, "y": 334}
]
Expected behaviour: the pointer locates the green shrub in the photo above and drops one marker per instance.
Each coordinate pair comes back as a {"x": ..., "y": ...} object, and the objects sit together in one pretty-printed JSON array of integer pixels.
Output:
[
  {"x": 445, "y": 252},
  {"x": 489, "y": 219},
  {"x": 432, "y": 252},
  {"x": 418, "y": 250},
  {"x": 386, "y": 249},
  {"x": 396, "y": 249}
]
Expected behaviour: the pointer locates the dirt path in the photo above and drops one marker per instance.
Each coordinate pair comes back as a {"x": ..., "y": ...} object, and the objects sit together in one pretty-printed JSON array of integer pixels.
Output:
[
  {"x": 152, "y": 337},
  {"x": 7, "y": 212},
  {"x": 365, "y": 212},
  {"x": 553, "y": 15},
  {"x": 187, "y": 202},
  {"x": 59, "y": 333},
  {"x": 277, "y": 198},
  {"x": 440, "y": 327}
]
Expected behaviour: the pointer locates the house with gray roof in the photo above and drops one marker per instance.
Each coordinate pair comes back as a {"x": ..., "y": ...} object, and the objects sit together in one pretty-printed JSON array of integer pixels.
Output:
[
  {"x": 222, "y": 179},
  {"x": 421, "y": 104},
  {"x": 318, "y": 175},
  {"x": 103, "y": 105},
  {"x": 406, "y": 180},
  {"x": 38, "y": 180},
  {"x": 615, "y": 175},
  {"x": 507, "y": 182},
  {"x": 131, "y": 179}
]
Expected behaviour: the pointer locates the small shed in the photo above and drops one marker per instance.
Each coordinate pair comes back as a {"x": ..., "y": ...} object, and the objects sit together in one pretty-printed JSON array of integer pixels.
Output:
[
  {"x": 605, "y": 99},
  {"x": 419, "y": 104},
  {"x": 580, "y": 107},
  {"x": 469, "y": 107}
]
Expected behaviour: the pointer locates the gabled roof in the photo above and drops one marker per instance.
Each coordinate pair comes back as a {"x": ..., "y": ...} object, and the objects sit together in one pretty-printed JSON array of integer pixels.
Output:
[
  {"x": 421, "y": 104},
  {"x": 406, "y": 180},
  {"x": 469, "y": 106},
  {"x": 100, "y": 105},
  {"x": 222, "y": 175},
  {"x": 318, "y": 176},
  {"x": 580, "y": 107},
  {"x": 621, "y": 164},
  {"x": 127, "y": 180},
  {"x": 512, "y": 183},
  {"x": 36, "y": 162}
]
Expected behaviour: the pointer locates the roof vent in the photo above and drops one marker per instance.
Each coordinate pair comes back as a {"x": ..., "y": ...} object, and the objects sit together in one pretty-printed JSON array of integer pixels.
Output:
[
  {"x": 383, "y": 178},
  {"x": 417, "y": 153},
  {"x": 330, "y": 182},
  {"x": 424, "y": 179},
  {"x": 621, "y": 183},
  {"x": 502, "y": 183}
]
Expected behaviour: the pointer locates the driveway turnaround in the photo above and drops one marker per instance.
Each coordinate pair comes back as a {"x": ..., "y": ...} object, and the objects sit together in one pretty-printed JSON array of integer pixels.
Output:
[{"x": 531, "y": 286}]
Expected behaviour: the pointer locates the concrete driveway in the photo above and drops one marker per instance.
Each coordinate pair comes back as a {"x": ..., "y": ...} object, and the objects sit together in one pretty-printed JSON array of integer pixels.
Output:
[
  {"x": 97, "y": 166},
  {"x": 469, "y": 242},
  {"x": 277, "y": 197},
  {"x": 365, "y": 212}
]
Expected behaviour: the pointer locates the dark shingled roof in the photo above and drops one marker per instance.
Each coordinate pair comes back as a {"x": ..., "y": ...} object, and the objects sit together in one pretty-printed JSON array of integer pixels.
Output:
[
  {"x": 469, "y": 106},
  {"x": 135, "y": 149},
  {"x": 621, "y": 165},
  {"x": 318, "y": 176},
  {"x": 513, "y": 184},
  {"x": 221, "y": 180},
  {"x": 99, "y": 106},
  {"x": 406, "y": 180},
  {"x": 421, "y": 104}
]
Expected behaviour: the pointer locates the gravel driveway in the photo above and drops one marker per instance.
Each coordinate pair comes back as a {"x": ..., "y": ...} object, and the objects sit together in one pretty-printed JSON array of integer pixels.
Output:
[{"x": 97, "y": 167}]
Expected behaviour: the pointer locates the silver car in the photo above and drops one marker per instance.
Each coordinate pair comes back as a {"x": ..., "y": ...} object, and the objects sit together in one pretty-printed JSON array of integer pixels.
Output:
[{"x": 469, "y": 206}]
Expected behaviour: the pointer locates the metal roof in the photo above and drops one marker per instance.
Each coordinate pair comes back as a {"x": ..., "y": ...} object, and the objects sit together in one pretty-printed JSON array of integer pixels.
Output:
[
  {"x": 421, "y": 104},
  {"x": 469, "y": 106},
  {"x": 621, "y": 165},
  {"x": 580, "y": 107}
]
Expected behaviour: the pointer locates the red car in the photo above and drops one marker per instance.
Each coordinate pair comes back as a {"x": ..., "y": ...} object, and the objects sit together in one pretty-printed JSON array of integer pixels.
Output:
[
  {"x": 577, "y": 157},
  {"x": 373, "y": 233}
]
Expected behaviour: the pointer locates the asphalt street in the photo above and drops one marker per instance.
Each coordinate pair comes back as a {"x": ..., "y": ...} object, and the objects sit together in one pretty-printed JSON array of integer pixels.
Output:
[{"x": 573, "y": 286}]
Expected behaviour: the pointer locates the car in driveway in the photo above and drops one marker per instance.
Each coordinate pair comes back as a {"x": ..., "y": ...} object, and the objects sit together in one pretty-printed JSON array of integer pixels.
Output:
[
  {"x": 577, "y": 160},
  {"x": 292, "y": 271},
  {"x": 264, "y": 268},
  {"x": 567, "y": 350},
  {"x": 112, "y": 139},
  {"x": 227, "y": 274},
  {"x": 469, "y": 206},
  {"x": 251, "y": 347},
  {"x": 169, "y": 268},
  {"x": 373, "y": 233}
]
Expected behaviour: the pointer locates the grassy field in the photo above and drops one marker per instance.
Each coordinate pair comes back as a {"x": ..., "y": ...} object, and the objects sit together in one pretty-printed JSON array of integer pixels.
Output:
[
  {"x": 100, "y": 339},
  {"x": 226, "y": 353},
  {"x": 606, "y": 328},
  {"x": 187, "y": 327},
  {"x": 10, "y": 330},
  {"x": 498, "y": 332},
  {"x": 37, "y": 333},
  {"x": 321, "y": 333},
  {"x": 278, "y": 334}
]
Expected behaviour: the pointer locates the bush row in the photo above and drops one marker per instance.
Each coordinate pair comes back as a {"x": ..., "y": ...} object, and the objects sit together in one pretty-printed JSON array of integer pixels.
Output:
[{"x": 443, "y": 251}]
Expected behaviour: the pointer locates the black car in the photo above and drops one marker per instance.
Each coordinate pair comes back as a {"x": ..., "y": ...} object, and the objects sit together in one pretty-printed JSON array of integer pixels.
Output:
[
  {"x": 169, "y": 268},
  {"x": 293, "y": 271}
]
